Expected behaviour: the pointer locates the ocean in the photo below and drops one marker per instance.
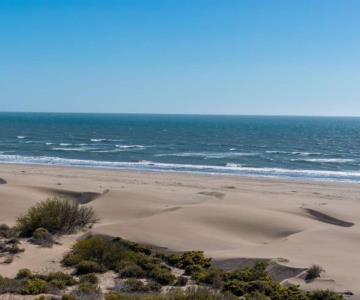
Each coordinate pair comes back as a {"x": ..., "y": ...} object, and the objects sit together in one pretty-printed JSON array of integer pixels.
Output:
[{"x": 306, "y": 148}]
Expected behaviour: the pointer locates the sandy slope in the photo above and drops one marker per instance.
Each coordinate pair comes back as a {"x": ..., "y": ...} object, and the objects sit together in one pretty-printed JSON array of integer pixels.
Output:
[{"x": 227, "y": 217}]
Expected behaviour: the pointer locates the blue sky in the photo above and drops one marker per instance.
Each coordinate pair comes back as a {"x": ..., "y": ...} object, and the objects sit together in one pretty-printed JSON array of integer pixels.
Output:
[{"x": 181, "y": 56}]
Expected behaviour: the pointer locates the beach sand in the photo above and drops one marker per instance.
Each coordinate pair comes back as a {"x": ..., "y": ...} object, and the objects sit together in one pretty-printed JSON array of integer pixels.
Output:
[{"x": 296, "y": 223}]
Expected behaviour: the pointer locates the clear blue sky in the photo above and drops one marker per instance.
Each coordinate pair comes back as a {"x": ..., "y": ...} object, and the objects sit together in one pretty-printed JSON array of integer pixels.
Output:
[{"x": 181, "y": 56}]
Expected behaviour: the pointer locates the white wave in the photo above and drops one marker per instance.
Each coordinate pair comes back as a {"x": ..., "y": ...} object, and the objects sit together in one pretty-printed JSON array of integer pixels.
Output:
[
  {"x": 305, "y": 153},
  {"x": 108, "y": 151},
  {"x": 326, "y": 160},
  {"x": 130, "y": 146},
  {"x": 232, "y": 165},
  {"x": 21, "y": 137},
  {"x": 208, "y": 155},
  {"x": 229, "y": 169},
  {"x": 80, "y": 149},
  {"x": 105, "y": 140},
  {"x": 48, "y": 143},
  {"x": 65, "y": 144}
]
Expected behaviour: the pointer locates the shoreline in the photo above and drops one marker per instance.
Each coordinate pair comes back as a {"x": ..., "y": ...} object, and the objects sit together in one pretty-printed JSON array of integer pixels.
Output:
[
  {"x": 296, "y": 222},
  {"x": 285, "y": 179}
]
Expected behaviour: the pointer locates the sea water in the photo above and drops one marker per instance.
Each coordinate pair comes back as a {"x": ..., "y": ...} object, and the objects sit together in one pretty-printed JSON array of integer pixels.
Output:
[{"x": 310, "y": 148}]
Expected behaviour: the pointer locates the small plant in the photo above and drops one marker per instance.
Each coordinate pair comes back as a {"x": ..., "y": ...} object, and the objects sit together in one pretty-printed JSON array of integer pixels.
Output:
[
  {"x": 134, "y": 286},
  {"x": 60, "y": 279},
  {"x": 88, "y": 292},
  {"x": 88, "y": 266},
  {"x": 24, "y": 274},
  {"x": 181, "y": 281},
  {"x": 132, "y": 271},
  {"x": 324, "y": 295},
  {"x": 313, "y": 272},
  {"x": 34, "y": 287},
  {"x": 162, "y": 275},
  {"x": 90, "y": 278},
  {"x": 42, "y": 237},
  {"x": 57, "y": 216},
  {"x": 8, "y": 285},
  {"x": 7, "y": 232}
]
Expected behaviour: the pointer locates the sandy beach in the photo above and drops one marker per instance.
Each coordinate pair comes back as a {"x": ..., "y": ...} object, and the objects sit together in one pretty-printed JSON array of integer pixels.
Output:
[{"x": 295, "y": 223}]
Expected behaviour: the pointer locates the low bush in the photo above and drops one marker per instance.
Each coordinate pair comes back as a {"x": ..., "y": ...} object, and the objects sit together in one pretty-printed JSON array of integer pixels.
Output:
[
  {"x": 90, "y": 278},
  {"x": 134, "y": 286},
  {"x": 35, "y": 287},
  {"x": 132, "y": 271},
  {"x": 87, "y": 292},
  {"x": 313, "y": 272},
  {"x": 190, "y": 261},
  {"x": 88, "y": 266},
  {"x": 24, "y": 274},
  {"x": 8, "y": 285},
  {"x": 60, "y": 279},
  {"x": 324, "y": 295},
  {"x": 181, "y": 281},
  {"x": 57, "y": 215},
  {"x": 162, "y": 275},
  {"x": 42, "y": 237},
  {"x": 97, "y": 254},
  {"x": 175, "y": 294},
  {"x": 7, "y": 231}
]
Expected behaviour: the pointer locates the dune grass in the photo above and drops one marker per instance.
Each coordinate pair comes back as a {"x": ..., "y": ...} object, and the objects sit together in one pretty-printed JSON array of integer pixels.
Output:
[{"x": 57, "y": 216}]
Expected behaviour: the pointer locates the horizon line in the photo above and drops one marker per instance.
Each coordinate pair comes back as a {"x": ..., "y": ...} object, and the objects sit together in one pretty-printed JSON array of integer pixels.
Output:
[{"x": 183, "y": 114}]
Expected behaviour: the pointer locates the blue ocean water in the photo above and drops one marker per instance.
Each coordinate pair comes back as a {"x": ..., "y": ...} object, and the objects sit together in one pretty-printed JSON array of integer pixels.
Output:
[{"x": 310, "y": 148}]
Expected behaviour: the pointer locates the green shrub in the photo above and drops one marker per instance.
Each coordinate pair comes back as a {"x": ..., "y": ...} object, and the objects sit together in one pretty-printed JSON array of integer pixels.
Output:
[
  {"x": 324, "y": 295},
  {"x": 189, "y": 260},
  {"x": 88, "y": 266},
  {"x": 7, "y": 232},
  {"x": 134, "y": 286},
  {"x": 97, "y": 249},
  {"x": 132, "y": 271},
  {"x": 313, "y": 272},
  {"x": 42, "y": 237},
  {"x": 57, "y": 215},
  {"x": 162, "y": 275},
  {"x": 24, "y": 274},
  {"x": 60, "y": 279},
  {"x": 90, "y": 278},
  {"x": 34, "y": 287},
  {"x": 8, "y": 285},
  {"x": 88, "y": 292},
  {"x": 181, "y": 281}
]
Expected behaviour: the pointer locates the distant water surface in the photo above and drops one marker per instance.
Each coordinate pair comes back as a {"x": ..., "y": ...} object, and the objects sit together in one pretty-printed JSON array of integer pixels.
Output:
[{"x": 310, "y": 148}]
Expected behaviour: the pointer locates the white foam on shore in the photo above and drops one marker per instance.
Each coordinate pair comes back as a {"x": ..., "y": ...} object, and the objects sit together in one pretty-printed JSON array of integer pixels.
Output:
[
  {"x": 230, "y": 169},
  {"x": 209, "y": 155},
  {"x": 326, "y": 160}
]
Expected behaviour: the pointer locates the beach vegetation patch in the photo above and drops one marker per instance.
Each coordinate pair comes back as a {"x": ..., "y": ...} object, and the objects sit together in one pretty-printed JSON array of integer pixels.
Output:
[
  {"x": 34, "y": 287},
  {"x": 90, "y": 278},
  {"x": 87, "y": 291},
  {"x": 57, "y": 216},
  {"x": 42, "y": 237},
  {"x": 128, "y": 259},
  {"x": 313, "y": 272},
  {"x": 324, "y": 295}
]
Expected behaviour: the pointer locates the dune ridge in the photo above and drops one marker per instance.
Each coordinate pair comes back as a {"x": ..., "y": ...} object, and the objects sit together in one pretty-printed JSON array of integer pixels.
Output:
[{"x": 293, "y": 224}]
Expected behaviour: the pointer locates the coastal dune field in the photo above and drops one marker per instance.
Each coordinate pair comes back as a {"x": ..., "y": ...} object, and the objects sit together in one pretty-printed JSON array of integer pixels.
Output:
[{"x": 297, "y": 224}]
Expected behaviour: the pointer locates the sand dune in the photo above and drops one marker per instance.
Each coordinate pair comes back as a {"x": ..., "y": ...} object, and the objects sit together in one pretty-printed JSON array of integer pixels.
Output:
[{"x": 295, "y": 223}]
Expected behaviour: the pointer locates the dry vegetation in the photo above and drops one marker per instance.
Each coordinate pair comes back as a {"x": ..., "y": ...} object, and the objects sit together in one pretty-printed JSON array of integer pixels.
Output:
[{"x": 142, "y": 273}]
